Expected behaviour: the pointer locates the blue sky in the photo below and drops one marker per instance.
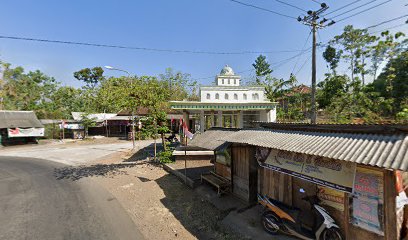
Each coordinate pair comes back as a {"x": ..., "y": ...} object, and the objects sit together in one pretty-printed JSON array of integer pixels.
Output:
[{"x": 203, "y": 25}]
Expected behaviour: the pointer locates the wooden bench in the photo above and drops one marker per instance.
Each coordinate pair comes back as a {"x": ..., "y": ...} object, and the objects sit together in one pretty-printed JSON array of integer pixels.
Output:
[{"x": 222, "y": 184}]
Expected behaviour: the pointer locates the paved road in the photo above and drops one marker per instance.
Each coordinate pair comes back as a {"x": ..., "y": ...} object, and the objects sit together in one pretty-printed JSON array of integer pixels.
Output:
[
  {"x": 34, "y": 205},
  {"x": 68, "y": 153}
]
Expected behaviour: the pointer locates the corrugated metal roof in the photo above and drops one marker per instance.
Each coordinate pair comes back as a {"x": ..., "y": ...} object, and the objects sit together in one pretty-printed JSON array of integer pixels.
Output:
[
  {"x": 387, "y": 151},
  {"x": 211, "y": 139},
  {"x": 22, "y": 119}
]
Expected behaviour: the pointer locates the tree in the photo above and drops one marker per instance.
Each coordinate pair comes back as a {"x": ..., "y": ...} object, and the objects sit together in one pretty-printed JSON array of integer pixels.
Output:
[
  {"x": 354, "y": 44},
  {"x": 28, "y": 91},
  {"x": 262, "y": 68},
  {"x": 332, "y": 57},
  {"x": 91, "y": 77},
  {"x": 333, "y": 86},
  {"x": 394, "y": 78},
  {"x": 87, "y": 122},
  {"x": 180, "y": 85}
]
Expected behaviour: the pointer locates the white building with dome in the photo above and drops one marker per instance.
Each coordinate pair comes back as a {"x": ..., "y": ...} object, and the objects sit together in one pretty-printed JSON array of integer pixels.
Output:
[{"x": 227, "y": 104}]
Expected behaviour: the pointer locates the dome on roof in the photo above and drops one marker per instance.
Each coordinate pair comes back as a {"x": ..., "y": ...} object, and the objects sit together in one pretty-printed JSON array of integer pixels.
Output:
[{"x": 227, "y": 70}]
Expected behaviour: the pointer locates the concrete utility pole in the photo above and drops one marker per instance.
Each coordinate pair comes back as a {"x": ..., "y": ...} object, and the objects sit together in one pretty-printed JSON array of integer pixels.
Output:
[{"x": 312, "y": 20}]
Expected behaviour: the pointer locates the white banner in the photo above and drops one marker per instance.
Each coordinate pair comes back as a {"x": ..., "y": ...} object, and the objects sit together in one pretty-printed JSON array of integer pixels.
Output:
[{"x": 25, "y": 132}]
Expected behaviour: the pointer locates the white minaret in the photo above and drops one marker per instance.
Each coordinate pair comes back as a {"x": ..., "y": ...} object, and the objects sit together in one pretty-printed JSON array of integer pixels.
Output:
[{"x": 227, "y": 77}]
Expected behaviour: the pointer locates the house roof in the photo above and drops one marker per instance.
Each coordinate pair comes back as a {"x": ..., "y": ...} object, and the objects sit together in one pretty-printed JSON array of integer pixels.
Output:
[
  {"x": 22, "y": 119},
  {"x": 211, "y": 139},
  {"x": 99, "y": 117},
  {"x": 382, "y": 150}
]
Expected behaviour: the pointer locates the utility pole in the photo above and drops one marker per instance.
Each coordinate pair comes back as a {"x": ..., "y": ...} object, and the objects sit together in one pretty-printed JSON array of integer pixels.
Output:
[{"x": 312, "y": 21}]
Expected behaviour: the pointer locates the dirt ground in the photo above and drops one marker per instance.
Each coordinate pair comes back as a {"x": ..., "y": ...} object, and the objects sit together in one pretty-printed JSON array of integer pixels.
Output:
[{"x": 160, "y": 205}]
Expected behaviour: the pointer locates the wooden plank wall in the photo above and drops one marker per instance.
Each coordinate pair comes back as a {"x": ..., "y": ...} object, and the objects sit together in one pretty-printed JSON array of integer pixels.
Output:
[
  {"x": 276, "y": 185},
  {"x": 223, "y": 170}
]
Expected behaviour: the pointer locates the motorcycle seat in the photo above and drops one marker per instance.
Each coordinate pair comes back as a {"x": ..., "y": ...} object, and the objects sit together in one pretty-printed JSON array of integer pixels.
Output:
[{"x": 284, "y": 206}]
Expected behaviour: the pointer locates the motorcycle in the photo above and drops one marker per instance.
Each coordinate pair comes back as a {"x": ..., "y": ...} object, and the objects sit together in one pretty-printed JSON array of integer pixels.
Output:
[{"x": 279, "y": 217}]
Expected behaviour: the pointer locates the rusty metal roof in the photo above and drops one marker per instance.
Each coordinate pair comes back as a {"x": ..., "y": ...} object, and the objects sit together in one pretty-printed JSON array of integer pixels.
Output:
[
  {"x": 212, "y": 138},
  {"x": 382, "y": 150}
]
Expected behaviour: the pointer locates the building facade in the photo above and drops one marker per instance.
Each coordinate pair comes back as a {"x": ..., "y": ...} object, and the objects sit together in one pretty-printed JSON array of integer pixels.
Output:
[{"x": 227, "y": 104}]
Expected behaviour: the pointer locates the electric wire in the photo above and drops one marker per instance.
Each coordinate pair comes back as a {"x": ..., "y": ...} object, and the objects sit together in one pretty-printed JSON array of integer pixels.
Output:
[
  {"x": 387, "y": 21},
  {"x": 291, "y": 5},
  {"x": 317, "y": 2},
  {"x": 304, "y": 63},
  {"x": 140, "y": 48},
  {"x": 303, "y": 49},
  {"x": 363, "y": 11},
  {"x": 335, "y": 10},
  {"x": 386, "y": 29},
  {"x": 360, "y": 6},
  {"x": 261, "y": 8}
]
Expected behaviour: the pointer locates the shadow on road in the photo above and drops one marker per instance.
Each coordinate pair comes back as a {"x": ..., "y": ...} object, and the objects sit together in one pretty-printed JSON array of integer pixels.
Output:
[{"x": 76, "y": 173}]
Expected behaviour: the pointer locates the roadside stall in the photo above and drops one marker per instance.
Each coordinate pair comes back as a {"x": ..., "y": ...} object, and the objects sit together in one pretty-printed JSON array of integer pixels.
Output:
[
  {"x": 19, "y": 127},
  {"x": 355, "y": 171}
]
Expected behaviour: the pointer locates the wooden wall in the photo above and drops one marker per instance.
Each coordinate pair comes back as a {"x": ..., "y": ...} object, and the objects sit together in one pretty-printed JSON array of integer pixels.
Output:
[
  {"x": 285, "y": 188},
  {"x": 244, "y": 172},
  {"x": 223, "y": 170}
]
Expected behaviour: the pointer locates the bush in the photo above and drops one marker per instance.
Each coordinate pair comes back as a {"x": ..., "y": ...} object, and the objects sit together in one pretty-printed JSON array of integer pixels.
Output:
[{"x": 166, "y": 156}]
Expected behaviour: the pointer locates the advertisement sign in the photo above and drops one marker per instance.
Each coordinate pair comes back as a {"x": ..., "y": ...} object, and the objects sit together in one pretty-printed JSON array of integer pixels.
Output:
[
  {"x": 25, "y": 132},
  {"x": 331, "y": 197},
  {"x": 323, "y": 171},
  {"x": 367, "y": 202},
  {"x": 71, "y": 126}
]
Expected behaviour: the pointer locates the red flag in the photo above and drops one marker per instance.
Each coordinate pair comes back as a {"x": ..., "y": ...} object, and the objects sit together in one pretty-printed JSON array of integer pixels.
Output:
[
  {"x": 186, "y": 132},
  {"x": 172, "y": 119}
]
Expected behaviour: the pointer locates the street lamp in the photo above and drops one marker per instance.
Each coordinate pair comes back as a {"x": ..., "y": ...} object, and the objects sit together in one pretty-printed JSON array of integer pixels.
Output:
[{"x": 133, "y": 117}]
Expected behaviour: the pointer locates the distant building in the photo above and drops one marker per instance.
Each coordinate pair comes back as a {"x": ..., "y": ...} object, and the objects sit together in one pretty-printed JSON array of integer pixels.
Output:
[
  {"x": 227, "y": 104},
  {"x": 19, "y": 127}
]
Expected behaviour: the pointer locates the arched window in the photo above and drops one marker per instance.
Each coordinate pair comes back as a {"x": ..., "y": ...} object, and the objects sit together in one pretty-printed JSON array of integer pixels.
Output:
[
  {"x": 235, "y": 96},
  {"x": 208, "y": 96},
  {"x": 223, "y": 81},
  {"x": 229, "y": 81},
  {"x": 235, "y": 81},
  {"x": 226, "y": 96},
  {"x": 217, "y": 96},
  {"x": 245, "y": 96},
  {"x": 256, "y": 96}
]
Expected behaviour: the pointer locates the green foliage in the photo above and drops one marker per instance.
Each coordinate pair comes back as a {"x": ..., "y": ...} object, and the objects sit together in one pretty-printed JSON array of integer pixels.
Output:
[
  {"x": 262, "y": 68},
  {"x": 166, "y": 156},
  {"x": 91, "y": 77},
  {"x": 332, "y": 57},
  {"x": 331, "y": 87},
  {"x": 180, "y": 85},
  {"x": 403, "y": 115},
  {"x": 87, "y": 122}
]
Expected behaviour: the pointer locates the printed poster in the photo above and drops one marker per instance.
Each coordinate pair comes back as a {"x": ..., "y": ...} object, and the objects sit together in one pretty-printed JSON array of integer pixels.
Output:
[
  {"x": 327, "y": 172},
  {"x": 25, "y": 132},
  {"x": 331, "y": 197},
  {"x": 367, "y": 202}
]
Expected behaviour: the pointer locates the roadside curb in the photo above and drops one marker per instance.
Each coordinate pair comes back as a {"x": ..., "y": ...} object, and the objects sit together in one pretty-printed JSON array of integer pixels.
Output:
[{"x": 181, "y": 176}]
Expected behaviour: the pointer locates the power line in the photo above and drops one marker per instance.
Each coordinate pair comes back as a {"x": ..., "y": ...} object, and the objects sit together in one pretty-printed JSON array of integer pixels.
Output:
[
  {"x": 303, "y": 49},
  {"x": 365, "y": 10},
  {"x": 387, "y": 21},
  {"x": 342, "y": 7},
  {"x": 360, "y": 6},
  {"x": 304, "y": 63},
  {"x": 317, "y": 2},
  {"x": 395, "y": 26},
  {"x": 140, "y": 48},
  {"x": 288, "y": 4},
  {"x": 261, "y": 8},
  {"x": 274, "y": 65}
]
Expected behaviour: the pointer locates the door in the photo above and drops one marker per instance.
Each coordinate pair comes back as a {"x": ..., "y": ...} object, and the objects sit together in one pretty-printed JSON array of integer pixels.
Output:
[{"x": 244, "y": 172}]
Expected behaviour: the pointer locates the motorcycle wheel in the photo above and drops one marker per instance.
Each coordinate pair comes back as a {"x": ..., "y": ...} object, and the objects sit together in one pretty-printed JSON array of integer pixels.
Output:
[
  {"x": 270, "y": 223},
  {"x": 331, "y": 234}
]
